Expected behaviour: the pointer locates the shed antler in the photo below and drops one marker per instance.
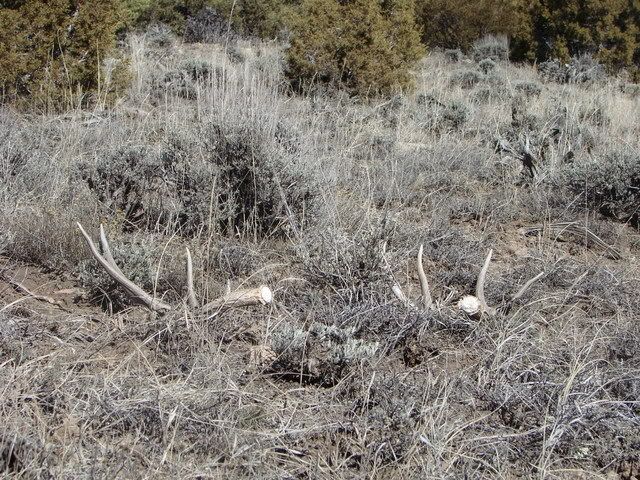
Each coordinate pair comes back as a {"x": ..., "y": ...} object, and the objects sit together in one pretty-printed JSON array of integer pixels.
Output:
[
  {"x": 482, "y": 277},
  {"x": 109, "y": 264},
  {"x": 261, "y": 295},
  {"x": 424, "y": 284},
  {"x": 473, "y": 305}
]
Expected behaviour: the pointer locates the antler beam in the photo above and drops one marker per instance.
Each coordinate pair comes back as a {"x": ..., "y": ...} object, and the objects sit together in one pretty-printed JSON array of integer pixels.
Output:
[
  {"x": 482, "y": 277},
  {"x": 109, "y": 265}
]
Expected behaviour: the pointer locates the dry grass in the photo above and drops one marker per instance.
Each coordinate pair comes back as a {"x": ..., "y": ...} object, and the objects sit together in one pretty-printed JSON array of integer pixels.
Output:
[{"x": 336, "y": 379}]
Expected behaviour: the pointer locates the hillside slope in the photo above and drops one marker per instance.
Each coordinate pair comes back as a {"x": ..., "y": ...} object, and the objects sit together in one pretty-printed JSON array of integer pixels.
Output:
[{"x": 327, "y": 200}]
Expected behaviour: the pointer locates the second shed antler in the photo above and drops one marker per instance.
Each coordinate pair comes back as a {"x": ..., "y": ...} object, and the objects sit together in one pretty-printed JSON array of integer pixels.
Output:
[
  {"x": 261, "y": 295},
  {"x": 473, "y": 305}
]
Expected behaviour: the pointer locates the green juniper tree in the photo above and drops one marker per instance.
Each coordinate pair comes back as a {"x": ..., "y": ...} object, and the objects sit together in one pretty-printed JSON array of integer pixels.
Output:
[
  {"x": 367, "y": 47},
  {"x": 560, "y": 29},
  {"x": 50, "y": 49}
]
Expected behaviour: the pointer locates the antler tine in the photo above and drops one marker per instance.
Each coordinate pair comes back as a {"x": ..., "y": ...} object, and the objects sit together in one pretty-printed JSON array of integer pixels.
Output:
[
  {"x": 134, "y": 290},
  {"x": 397, "y": 291},
  {"x": 424, "y": 283},
  {"x": 525, "y": 287},
  {"x": 480, "y": 284},
  {"x": 192, "y": 301},
  {"x": 107, "y": 250},
  {"x": 395, "y": 288}
]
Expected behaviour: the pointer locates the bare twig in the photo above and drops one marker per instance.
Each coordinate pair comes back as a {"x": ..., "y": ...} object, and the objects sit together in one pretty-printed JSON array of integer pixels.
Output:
[
  {"x": 17, "y": 286},
  {"x": 575, "y": 228}
]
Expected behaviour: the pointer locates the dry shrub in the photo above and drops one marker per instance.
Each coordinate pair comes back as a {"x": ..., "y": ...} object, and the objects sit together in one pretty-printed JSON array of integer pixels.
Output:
[
  {"x": 492, "y": 48},
  {"x": 466, "y": 78},
  {"x": 347, "y": 262},
  {"x": 145, "y": 261},
  {"x": 223, "y": 178},
  {"x": 321, "y": 354},
  {"x": 609, "y": 185},
  {"x": 207, "y": 26}
]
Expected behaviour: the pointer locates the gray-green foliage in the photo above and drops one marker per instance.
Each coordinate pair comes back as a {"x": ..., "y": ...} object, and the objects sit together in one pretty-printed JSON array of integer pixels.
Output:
[
  {"x": 185, "y": 80},
  {"x": 432, "y": 114},
  {"x": 610, "y": 185},
  {"x": 487, "y": 65},
  {"x": 159, "y": 35},
  {"x": 453, "y": 54},
  {"x": 144, "y": 260},
  {"x": 486, "y": 93},
  {"x": 322, "y": 353},
  {"x": 223, "y": 178},
  {"x": 631, "y": 89},
  {"x": 454, "y": 115},
  {"x": 122, "y": 179},
  {"x": 580, "y": 69},
  {"x": 134, "y": 258},
  {"x": 528, "y": 89},
  {"x": 493, "y": 48},
  {"x": 466, "y": 78}
]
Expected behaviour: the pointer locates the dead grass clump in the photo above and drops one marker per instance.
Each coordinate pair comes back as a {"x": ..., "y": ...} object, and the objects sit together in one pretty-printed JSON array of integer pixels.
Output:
[
  {"x": 52, "y": 241},
  {"x": 22, "y": 457}
]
